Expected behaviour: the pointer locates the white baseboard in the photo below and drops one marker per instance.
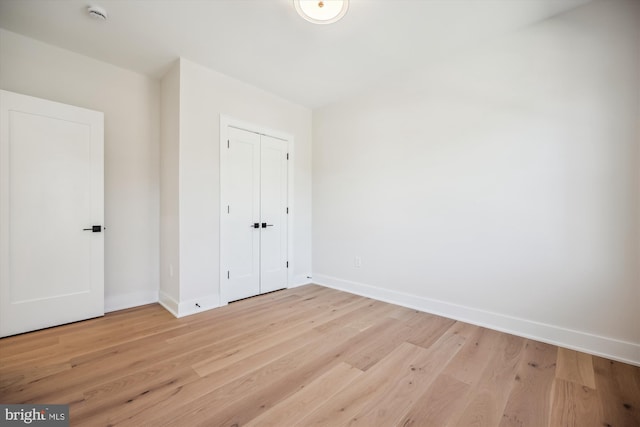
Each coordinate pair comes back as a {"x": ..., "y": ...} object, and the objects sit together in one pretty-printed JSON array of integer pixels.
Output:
[
  {"x": 186, "y": 308},
  {"x": 133, "y": 299},
  {"x": 300, "y": 280},
  {"x": 610, "y": 348},
  {"x": 170, "y": 304}
]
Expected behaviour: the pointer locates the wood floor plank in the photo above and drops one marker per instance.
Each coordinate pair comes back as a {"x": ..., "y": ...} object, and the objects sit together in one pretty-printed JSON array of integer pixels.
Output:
[
  {"x": 275, "y": 333},
  {"x": 83, "y": 345},
  {"x": 226, "y": 369},
  {"x": 403, "y": 393},
  {"x": 85, "y": 337},
  {"x": 240, "y": 322},
  {"x": 404, "y": 314},
  {"x": 335, "y": 351},
  {"x": 102, "y": 405},
  {"x": 224, "y": 388},
  {"x": 250, "y": 395},
  {"x": 371, "y": 352},
  {"x": 468, "y": 365},
  {"x": 361, "y": 320},
  {"x": 309, "y": 398},
  {"x": 19, "y": 349},
  {"x": 489, "y": 396},
  {"x": 310, "y": 356},
  {"x": 92, "y": 366},
  {"x": 576, "y": 367},
  {"x": 437, "y": 405},
  {"x": 574, "y": 405},
  {"x": 618, "y": 387},
  {"x": 427, "y": 329},
  {"x": 341, "y": 409},
  {"x": 529, "y": 403},
  {"x": 14, "y": 379},
  {"x": 100, "y": 366}
]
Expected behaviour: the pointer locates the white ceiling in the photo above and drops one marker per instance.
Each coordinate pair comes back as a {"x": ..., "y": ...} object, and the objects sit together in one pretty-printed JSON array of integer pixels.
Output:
[{"x": 265, "y": 43}]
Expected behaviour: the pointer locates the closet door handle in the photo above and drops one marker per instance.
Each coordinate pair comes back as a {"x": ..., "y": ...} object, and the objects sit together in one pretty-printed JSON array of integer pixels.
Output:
[
  {"x": 255, "y": 225},
  {"x": 265, "y": 225}
]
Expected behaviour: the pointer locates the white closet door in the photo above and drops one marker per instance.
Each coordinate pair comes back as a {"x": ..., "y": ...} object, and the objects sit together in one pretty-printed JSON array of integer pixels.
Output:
[
  {"x": 242, "y": 232},
  {"x": 253, "y": 229},
  {"x": 51, "y": 190},
  {"x": 273, "y": 213}
]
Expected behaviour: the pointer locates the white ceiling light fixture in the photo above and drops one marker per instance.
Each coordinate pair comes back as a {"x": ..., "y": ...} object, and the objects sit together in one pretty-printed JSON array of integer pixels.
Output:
[
  {"x": 97, "y": 12},
  {"x": 322, "y": 12}
]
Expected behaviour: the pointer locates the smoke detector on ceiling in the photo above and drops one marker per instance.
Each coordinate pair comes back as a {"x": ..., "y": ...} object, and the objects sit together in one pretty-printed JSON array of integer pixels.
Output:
[{"x": 97, "y": 12}]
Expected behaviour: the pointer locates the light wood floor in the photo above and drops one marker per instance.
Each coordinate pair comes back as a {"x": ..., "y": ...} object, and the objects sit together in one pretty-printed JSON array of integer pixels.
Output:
[{"x": 311, "y": 356}]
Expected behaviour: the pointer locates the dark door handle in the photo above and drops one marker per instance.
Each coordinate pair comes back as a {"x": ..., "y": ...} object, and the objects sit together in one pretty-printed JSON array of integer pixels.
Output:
[
  {"x": 255, "y": 225},
  {"x": 265, "y": 225},
  {"x": 94, "y": 229}
]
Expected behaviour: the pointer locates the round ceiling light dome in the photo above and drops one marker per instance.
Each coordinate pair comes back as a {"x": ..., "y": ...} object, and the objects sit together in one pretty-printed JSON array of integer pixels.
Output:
[{"x": 321, "y": 12}]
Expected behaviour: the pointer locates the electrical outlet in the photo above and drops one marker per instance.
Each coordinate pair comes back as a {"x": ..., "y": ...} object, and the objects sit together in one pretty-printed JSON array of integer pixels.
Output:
[{"x": 357, "y": 262}]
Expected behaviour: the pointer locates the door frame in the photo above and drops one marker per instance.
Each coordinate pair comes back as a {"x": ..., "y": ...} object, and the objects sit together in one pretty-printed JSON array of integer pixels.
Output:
[{"x": 228, "y": 121}]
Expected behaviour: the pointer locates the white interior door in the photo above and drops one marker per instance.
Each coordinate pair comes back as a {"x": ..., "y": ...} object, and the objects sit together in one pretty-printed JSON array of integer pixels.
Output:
[
  {"x": 243, "y": 215},
  {"x": 51, "y": 190},
  {"x": 254, "y": 226},
  {"x": 273, "y": 214}
]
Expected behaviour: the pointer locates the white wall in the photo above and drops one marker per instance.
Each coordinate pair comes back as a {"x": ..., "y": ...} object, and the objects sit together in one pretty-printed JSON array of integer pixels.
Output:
[
  {"x": 204, "y": 95},
  {"x": 169, "y": 169},
  {"x": 130, "y": 105},
  {"x": 499, "y": 187}
]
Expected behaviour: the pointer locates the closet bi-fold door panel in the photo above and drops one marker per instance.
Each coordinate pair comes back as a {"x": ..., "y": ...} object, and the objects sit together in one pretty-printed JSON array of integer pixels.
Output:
[
  {"x": 273, "y": 214},
  {"x": 254, "y": 226},
  {"x": 242, "y": 227}
]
